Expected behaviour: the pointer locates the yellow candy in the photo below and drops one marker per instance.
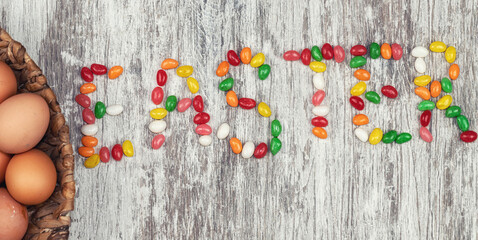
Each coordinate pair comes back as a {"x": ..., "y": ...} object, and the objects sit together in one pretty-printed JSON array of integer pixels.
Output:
[
  {"x": 376, "y": 136},
  {"x": 318, "y": 66},
  {"x": 258, "y": 60},
  {"x": 358, "y": 89},
  {"x": 158, "y": 113},
  {"x": 128, "y": 148},
  {"x": 437, "y": 46},
  {"x": 264, "y": 110},
  {"x": 92, "y": 161},
  {"x": 184, "y": 71},
  {"x": 450, "y": 54},
  {"x": 444, "y": 102},
  {"x": 193, "y": 85},
  {"x": 422, "y": 81}
]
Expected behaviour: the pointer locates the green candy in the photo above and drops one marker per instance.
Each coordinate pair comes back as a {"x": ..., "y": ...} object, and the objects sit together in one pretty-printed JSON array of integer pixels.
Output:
[
  {"x": 453, "y": 111},
  {"x": 357, "y": 61},
  {"x": 463, "y": 123},
  {"x": 171, "y": 103},
  {"x": 446, "y": 85},
  {"x": 226, "y": 84},
  {"x": 426, "y": 105},
  {"x": 276, "y": 128},
  {"x": 100, "y": 109},
  {"x": 276, "y": 145},
  {"x": 264, "y": 71},
  {"x": 372, "y": 97},
  {"x": 374, "y": 50},
  {"x": 390, "y": 136},
  {"x": 403, "y": 138},
  {"x": 316, "y": 53}
]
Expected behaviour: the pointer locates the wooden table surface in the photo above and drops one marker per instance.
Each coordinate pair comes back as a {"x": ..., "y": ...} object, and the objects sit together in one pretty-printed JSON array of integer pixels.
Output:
[{"x": 339, "y": 188}]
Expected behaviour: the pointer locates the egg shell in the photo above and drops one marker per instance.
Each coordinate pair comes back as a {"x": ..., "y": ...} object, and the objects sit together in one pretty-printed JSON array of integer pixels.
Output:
[
  {"x": 31, "y": 177},
  {"x": 24, "y": 119},
  {"x": 8, "y": 82},
  {"x": 4, "y": 159},
  {"x": 13, "y": 217}
]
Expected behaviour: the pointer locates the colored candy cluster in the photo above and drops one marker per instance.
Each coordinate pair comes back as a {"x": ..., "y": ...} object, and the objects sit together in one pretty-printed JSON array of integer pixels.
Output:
[{"x": 90, "y": 129}]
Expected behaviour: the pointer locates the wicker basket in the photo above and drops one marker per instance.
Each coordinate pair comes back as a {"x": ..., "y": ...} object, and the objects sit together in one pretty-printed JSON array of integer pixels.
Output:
[{"x": 49, "y": 220}]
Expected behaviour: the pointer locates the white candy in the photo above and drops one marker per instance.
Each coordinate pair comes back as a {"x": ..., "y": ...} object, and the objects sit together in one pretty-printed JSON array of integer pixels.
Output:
[
  {"x": 114, "y": 110},
  {"x": 247, "y": 150},
  {"x": 223, "y": 131},
  {"x": 420, "y": 52},
  {"x": 319, "y": 81},
  {"x": 361, "y": 134},
  {"x": 420, "y": 65},
  {"x": 205, "y": 140},
  {"x": 89, "y": 129},
  {"x": 321, "y": 110},
  {"x": 157, "y": 126}
]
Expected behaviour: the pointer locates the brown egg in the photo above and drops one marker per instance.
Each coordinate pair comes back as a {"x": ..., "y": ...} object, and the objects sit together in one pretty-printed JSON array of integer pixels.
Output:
[
  {"x": 4, "y": 159},
  {"x": 24, "y": 119},
  {"x": 8, "y": 82},
  {"x": 13, "y": 217},
  {"x": 31, "y": 177}
]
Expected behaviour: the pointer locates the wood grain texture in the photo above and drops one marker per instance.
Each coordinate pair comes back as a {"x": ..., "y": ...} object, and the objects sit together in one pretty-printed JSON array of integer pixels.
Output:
[{"x": 339, "y": 188}]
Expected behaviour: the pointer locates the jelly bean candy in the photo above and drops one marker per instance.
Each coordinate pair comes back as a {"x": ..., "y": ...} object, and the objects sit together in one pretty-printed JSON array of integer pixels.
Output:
[
  {"x": 115, "y": 72},
  {"x": 358, "y": 89},
  {"x": 87, "y": 88},
  {"x": 203, "y": 129},
  {"x": 264, "y": 71},
  {"x": 386, "y": 51},
  {"x": 87, "y": 74},
  {"x": 374, "y": 50},
  {"x": 426, "y": 135},
  {"x": 360, "y": 119},
  {"x": 184, "y": 104},
  {"x": 161, "y": 77},
  {"x": 248, "y": 150},
  {"x": 403, "y": 138},
  {"x": 453, "y": 111},
  {"x": 258, "y": 60},
  {"x": 327, "y": 51},
  {"x": 89, "y": 141},
  {"x": 358, "y": 50},
  {"x": 117, "y": 152},
  {"x": 201, "y": 118},
  {"x": 316, "y": 54},
  {"x": 171, "y": 103},
  {"x": 246, "y": 55},
  {"x": 89, "y": 129},
  {"x": 264, "y": 110},
  {"x": 450, "y": 54},
  {"x": 86, "y": 151},
  {"x": 375, "y": 136},
  {"x": 319, "y": 132},
  {"x": 318, "y": 66},
  {"x": 318, "y": 97},
  {"x": 291, "y": 55},
  {"x": 444, "y": 102},
  {"x": 88, "y": 116},
  {"x": 357, "y": 103},
  {"x": 104, "y": 154},
  {"x": 260, "y": 151},
  {"x": 100, "y": 110},
  {"x": 275, "y": 145},
  {"x": 435, "y": 89},
  {"x": 92, "y": 161},
  {"x": 463, "y": 123},
  {"x": 114, "y": 110},
  {"x": 158, "y": 113},
  {"x": 231, "y": 99},
  {"x": 446, "y": 85},
  {"x": 157, "y": 126},
  {"x": 339, "y": 55},
  {"x": 236, "y": 145},
  {"x": 193, "y": 85},
  {"x": 98, "y": 69},
  {"x": 157, "y": 95},
  {"x": 361, "y": 134},
  {"x": 158, "y": 141},
  {"x": 420, "y": 52},
  {"x": 169, "y": 63},
  {"x": 425, "y": 118},
  {"x": 420, "y": 65},
  {"x": 423, "y": 80},
  {"x": 198, "y": 103},
  {"x": 232, "y": 58},
  {"x": 205, "y": 140},
  {"x": 305, "y": 56},
  {"x": 372, "y": 97},
  {"x": 83, "y": 100},
  {"x": 319, "y": 81},
  {"x": 397, "y": 51},
  {"x": 358, "y": 62},
  {"x": 390, "y": 136},
  {"x": 128, "y": 149},
  {"x": 320, "y": 110},
  {"x": 426, "y": 105},
  {"x": 423, "y": 93},
  {"x": 222, "y": 69},
  {"x": 454, "y": 71},
  {"x": 319, "y": 122},
  {"x": 389, "y": 91},
  {"x": 276, "y": 128},
  {"x": 185, "y": 71},
  {"x": 438, "y": 46},
  {"x": 362, "y": 74},
  {"x": 223, "y": 131},
  {"x": 247, "y": 103},
  {"x": 468, "y": 136}
]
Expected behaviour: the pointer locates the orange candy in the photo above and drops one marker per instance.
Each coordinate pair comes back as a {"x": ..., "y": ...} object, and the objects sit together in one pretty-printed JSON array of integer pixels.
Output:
[
  {"x": 454, "y": 71},
  {"x": 236, "y": 145},
  {"x": 231, "y": 99},
  {"x": 87, "y": 88},
  {"x": 435, "y": 89},
  {"x": 169, "y": 63},
  {"x": 246, "y": 55},
  {"x": 360, "y": 119},
  {"x": 115, "y": 72},
  {"x": 386, "y": 51},
  {"x": 423, "y": 92},
  {"x": 89, "y": 141},
  {"x": 86, "y": 151},
  {"x": 362, "y": 75},
  {"x": 319, "y": 132},
  {"x": 222, "y": 69}
]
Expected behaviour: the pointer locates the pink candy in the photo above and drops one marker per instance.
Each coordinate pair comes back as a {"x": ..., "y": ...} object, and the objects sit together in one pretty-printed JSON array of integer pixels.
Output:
[
  {"x": 425, "y": 134},
  {"x": 291, "y": 55},
  {"x": 318, "y": 97},
  {"x": 397, "y": 51},
  {"x": 88, "y": 116},
  {"x": 157, "y": 95},
  {"x": 83, "y": 100},
  {"x": 104, "y": 154},
  {"x": 203, "y": 129},
  {"x": 184, "y": 104},
  {"x": 158, "y": 141},
  {"x": 339, "y": 54}
]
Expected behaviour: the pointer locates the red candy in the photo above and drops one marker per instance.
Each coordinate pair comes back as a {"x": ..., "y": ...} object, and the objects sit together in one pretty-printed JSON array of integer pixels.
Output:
[
  {"x": 157, "y": 95},
  {"x": 98, "y": 69},
  {"x": 468, "y": 136},
  {"x": 291, "y": 55},
  {"x": 397, "y": 51},
  {"x": 260, "y": 151},
  {"x": 201, "y": 118},
  {"x": 232, "y": 58},
  {"x": 104, "y": 154},
  {"x": 389, "y": 91},
  {"x": 83, "y": 100},
  {"x": 161, "y": 77},
  {"x": 358, "y": 50},
  {"x": 327, "y": 51},
  {"x": 318, "y": 97},
  {"x": 203, "y": 129},
  {"x": 247, "y": 103},
  {"x": 87, "y": 74},
  {"x": 198, "y": 103},
  {"x": 357, "y": 103},
  {"x": 117, "y": 152},
  {"x": 425, "y": 118},
  {"x": 305, "y": 56},
  {"x": 88, "y": 116},
  {"x": 339, "y": 54},
  {"x": 319, "y": 122},
  {"x": 158, "y": 141}
]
